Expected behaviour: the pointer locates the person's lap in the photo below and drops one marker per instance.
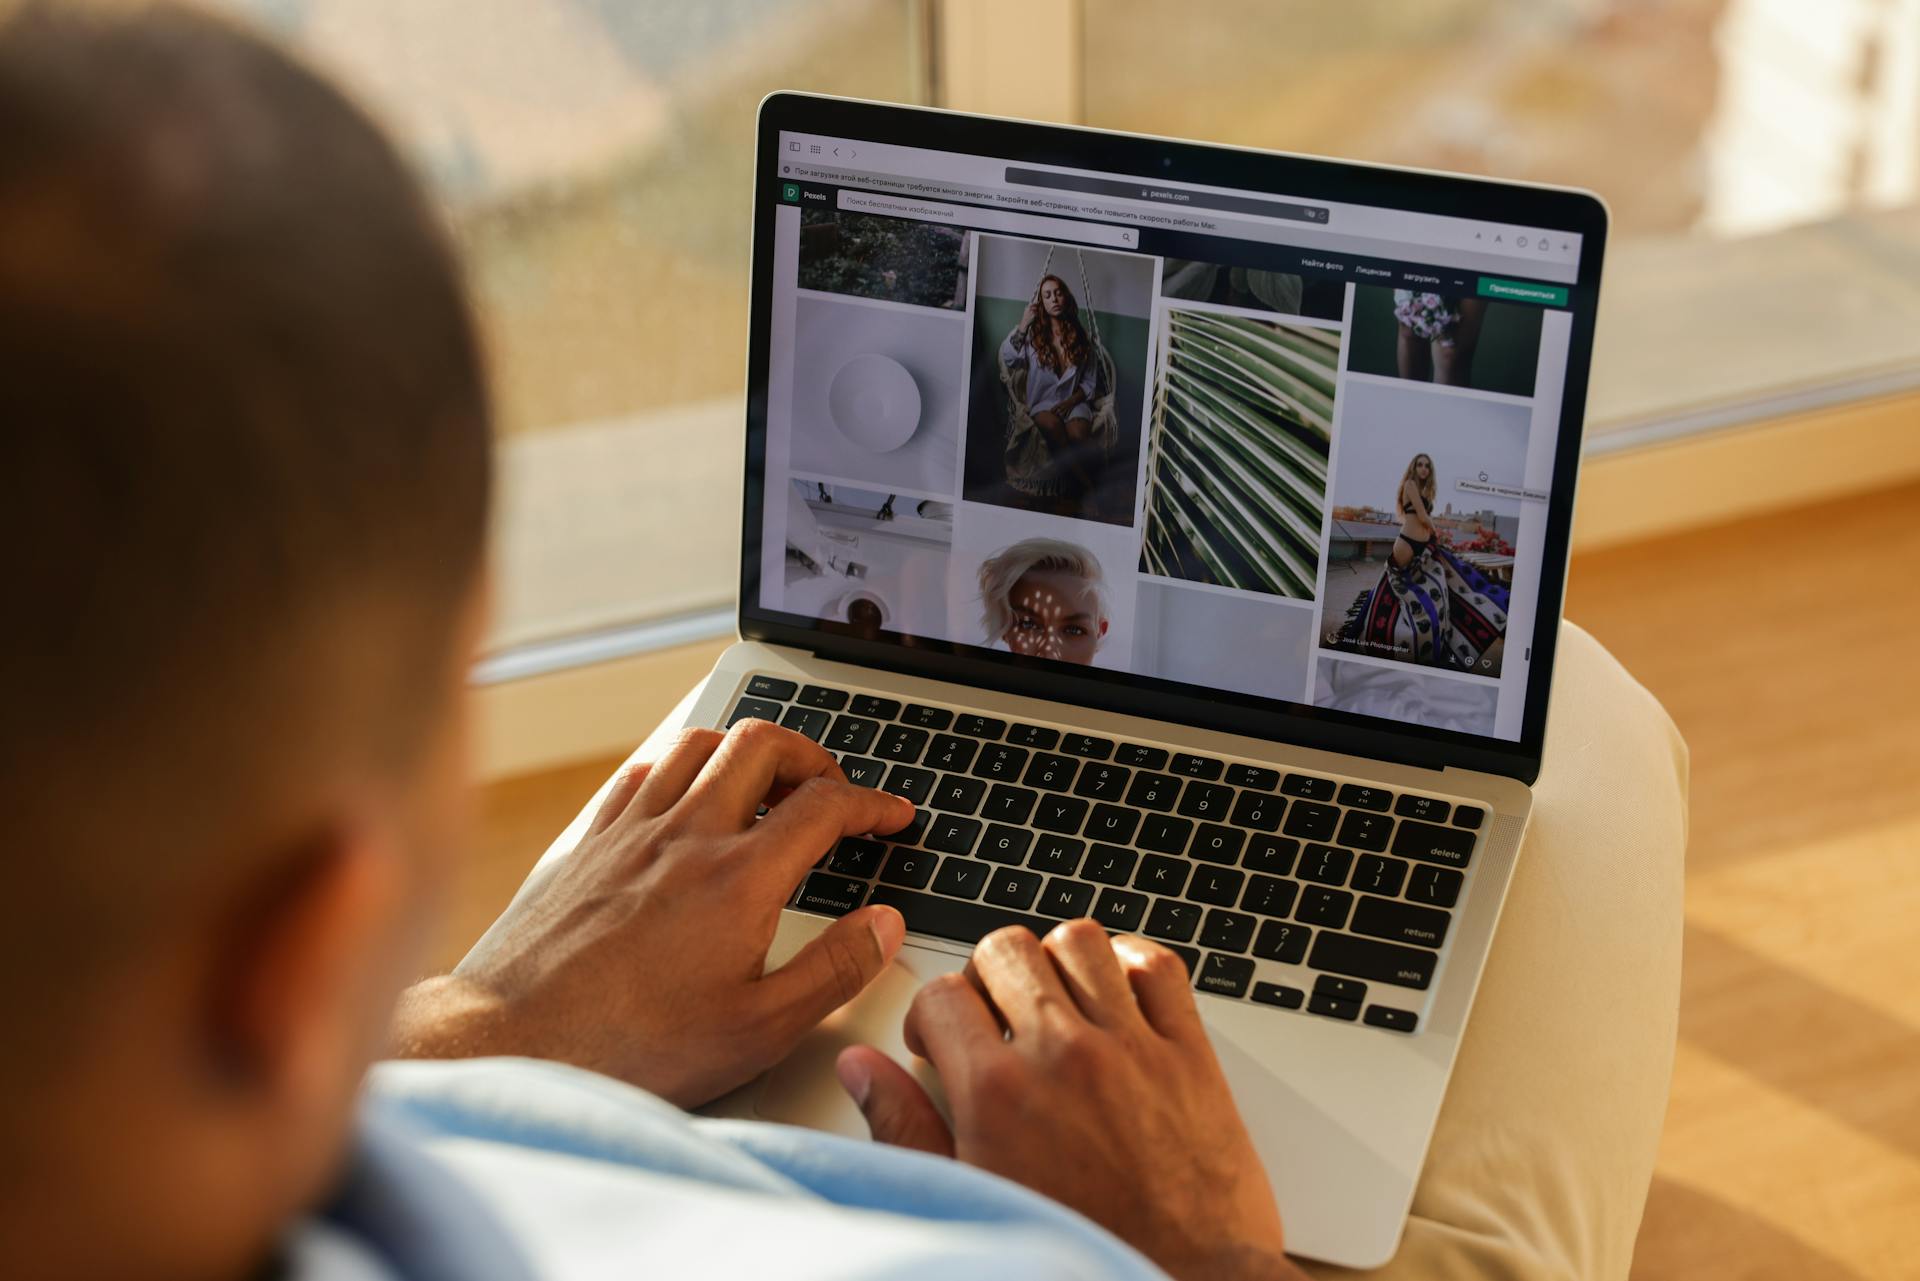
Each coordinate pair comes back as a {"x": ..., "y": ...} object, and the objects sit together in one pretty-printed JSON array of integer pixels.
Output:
[{"x": 1540, "y": 1163}]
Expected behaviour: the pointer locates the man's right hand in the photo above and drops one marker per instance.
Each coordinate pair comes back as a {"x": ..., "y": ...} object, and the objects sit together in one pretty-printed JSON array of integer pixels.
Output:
[{"x": 1079, "y": 1067}]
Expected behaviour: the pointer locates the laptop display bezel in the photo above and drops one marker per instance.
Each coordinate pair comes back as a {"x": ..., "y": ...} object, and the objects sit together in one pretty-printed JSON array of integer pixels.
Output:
[{"x": 1256, "y": 171}]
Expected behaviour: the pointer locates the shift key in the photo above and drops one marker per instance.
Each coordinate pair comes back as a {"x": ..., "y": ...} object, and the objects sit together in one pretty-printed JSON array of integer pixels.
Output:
[
  {"x": 1433, "y": 843},
  {"x": 1365, "y": 959}
]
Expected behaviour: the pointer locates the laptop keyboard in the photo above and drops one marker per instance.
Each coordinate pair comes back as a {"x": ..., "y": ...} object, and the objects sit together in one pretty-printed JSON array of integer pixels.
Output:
[{"x": 1285, "y": 889}]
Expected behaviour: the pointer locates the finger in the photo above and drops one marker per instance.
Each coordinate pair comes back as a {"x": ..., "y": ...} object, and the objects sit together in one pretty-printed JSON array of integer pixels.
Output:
[
  {"x": 898, "y": 1111},
  {"x": 1021, "y": 981},
  {"x": 950, "y": 1026},
  {"x": 619, "y": 793},
  {"x": 1091, "y": 973},
  {"x": 1161, "y": 985},
  {"x": 797, "y": 831},
  {"x": 675, "y": 771},
  {"x": 754, "y": 759},
  {"x": 831, "y": 970}
]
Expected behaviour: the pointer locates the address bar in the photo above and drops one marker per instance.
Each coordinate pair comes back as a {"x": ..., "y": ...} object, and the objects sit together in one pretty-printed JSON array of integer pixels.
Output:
[{"x": 1092, "y": 233}]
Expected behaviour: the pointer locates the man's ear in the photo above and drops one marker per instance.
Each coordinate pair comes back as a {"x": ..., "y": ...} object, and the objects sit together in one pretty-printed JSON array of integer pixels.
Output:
[{"x": 298, "y": 989}]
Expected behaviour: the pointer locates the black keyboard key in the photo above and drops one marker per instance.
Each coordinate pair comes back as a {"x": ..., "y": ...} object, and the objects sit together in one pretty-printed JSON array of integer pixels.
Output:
[
  {"x": 1120, "y": 910},
  {"x": 1258, "y": 810},
  {"x": 1424, "y": 808},
  {"x": 810, "y": 721},
  {"x": 1365, "y": 831},
  {"x": 901, "y": 743},
  {"x": 1319, "y": 906},
  {"x": 1392, "y": 1019},
  {"x": 1468, "y": 816},
  {"x": 1269, "y": 896},
  {"x": 1254, "y": 776},
  {"x": 1224, "y": 975},
  {"x": 1066, "y": 899},
  {"x": 979, "y": 726},
  {"x": 1051, "y": 771},
  {"x": 1135, "y": 756},
  {"x": 1033, "y": 736},
  {"x": 1219, "y": 886},
  {"x": 772, "y": 687},
  {"x": 1433, "y": 844},
  {"x": 1398, "y": 922},
  {"x": 1327, "y": 864},
  {"x": 1217, "y": 844},
  {"x": 1008, "y": 804},
  {"x": 1283, "y": 942},
  {"x": 926, "y": 717},
  {"x": 829, "y": 895},
  {"x": 1311, "y": 821},
  {"x": 820, "y": 696},
  {"x": 1333, "y": 1007},
  {"x": 1287, "y": 998},
  {"x": 1377, "y": 962},
  {"x": 1062, "y": 814},
  {"x": 880, "y": 709},
  {"x": 1057, "y": 855},
  {"x": 851, "y": 734},
  {"x": 755, "y": 709},
  {"x": 957, "y": 794},
  {"x": 962, "y": 877},
  {"x": 1087, "y": 745},
  {"x": 1228, "y": 931},
  {"x": 1110, "y": 865},
  {"x": 1102, "y": 782},
  {"x": 1345, "y": 989},
  {"x": 1207, "y": 800},
  {"x": 1113, "y": 824},
  {"x": 1005, "y": 844},
  {"x": 1435, "y": 886},
  {"x": 912, "y": 868},
  {"x": 1165, "y": 834},
  {"x": 952, "y": 834},
  {"x": 1015, "y": 887},
  {"x": 952, "y": 918},
  {"x": 1196, "y": 766},
  {"x": 1162, "y": 875},
  {"x": 863, "y": 771},
  {"x": 1307, "y": 787},
  {"x": 1361, "y": 797},
  {"x": 1377, "y": 875},
  {"x": 1271, "y": 854},
  {"x": 949, "y": 753},
  {"x": 1000, "y": 761},
  {"x": 1172, "y": 919},
  {"x": 910, "y": 834},
  {"x": 910, "y": 781},
  {"x": 1153, "y": 791},
  {"x": 856, "y": 856}
]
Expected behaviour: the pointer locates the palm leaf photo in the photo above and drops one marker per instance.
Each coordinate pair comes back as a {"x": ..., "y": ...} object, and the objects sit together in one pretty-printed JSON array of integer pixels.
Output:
[{"x": 1237, "y": 462}]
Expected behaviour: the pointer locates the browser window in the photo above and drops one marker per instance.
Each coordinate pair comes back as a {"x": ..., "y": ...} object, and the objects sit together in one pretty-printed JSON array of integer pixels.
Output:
[{"x": 1290, "y": 448}]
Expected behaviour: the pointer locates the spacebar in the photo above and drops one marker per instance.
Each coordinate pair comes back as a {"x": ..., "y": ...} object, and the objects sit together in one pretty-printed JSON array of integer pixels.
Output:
[{"x": 952, "y": 918}]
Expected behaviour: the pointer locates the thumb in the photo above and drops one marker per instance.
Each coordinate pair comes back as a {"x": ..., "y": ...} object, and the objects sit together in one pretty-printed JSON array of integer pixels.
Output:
[
  {"x": 898, "y": 1111},
  {"x": 834, "y": 968}
]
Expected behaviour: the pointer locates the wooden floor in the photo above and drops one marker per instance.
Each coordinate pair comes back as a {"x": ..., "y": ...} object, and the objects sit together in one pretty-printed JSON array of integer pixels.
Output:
[{"x": 1785, "y": 648}]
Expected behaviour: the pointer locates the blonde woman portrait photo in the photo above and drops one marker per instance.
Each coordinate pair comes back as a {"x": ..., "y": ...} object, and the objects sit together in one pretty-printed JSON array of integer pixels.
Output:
[{"x": 1045, "y": 598}]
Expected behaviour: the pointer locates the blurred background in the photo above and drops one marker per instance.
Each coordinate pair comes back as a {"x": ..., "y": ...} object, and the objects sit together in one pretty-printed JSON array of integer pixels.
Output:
[{"x": 1750, "y": 509}]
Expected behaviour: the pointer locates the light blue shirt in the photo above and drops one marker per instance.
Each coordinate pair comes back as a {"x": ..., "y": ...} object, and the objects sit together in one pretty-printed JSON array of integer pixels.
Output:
[
  {"x": 1046, "y": 387},
  {"x": 513, "y": 1169}
]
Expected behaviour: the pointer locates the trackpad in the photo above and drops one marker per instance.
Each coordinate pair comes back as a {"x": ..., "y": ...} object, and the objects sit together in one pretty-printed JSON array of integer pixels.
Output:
[{"x": 802, "y": 1089}]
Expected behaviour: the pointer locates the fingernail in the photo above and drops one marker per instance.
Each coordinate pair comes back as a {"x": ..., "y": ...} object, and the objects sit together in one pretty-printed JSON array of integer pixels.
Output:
[
  {"x": 888, "y": 927},
  {"x": 855, "y": 1079}
]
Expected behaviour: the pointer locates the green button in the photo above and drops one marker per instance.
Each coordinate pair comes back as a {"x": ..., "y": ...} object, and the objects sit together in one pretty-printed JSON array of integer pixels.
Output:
[
  {"x": 1521, "y": 291},
  {"x": 790, "y": 192}
]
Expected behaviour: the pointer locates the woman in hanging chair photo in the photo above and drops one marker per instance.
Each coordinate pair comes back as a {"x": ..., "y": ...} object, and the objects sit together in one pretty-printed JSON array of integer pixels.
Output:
[{"x": 1052, "y": 369}]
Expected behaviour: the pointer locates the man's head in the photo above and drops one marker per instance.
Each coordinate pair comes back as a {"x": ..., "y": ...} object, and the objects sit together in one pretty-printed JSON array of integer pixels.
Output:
[{"x": 244, "y": 445}]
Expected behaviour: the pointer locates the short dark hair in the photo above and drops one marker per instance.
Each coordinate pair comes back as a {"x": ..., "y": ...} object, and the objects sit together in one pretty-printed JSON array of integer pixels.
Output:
[{"x": 245, "y": 455}]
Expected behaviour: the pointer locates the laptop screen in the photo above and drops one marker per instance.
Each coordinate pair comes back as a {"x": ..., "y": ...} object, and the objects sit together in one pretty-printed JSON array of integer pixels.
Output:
[{"x": 1265, "y": 446}]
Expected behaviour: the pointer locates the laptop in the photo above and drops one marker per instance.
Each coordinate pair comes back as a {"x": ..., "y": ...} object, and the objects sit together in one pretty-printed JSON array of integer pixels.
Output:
[{"x": 1183, "y": 529}]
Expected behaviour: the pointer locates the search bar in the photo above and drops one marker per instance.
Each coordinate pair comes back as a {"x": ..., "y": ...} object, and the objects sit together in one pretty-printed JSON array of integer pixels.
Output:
[{"x": 1092, "y": 233}]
